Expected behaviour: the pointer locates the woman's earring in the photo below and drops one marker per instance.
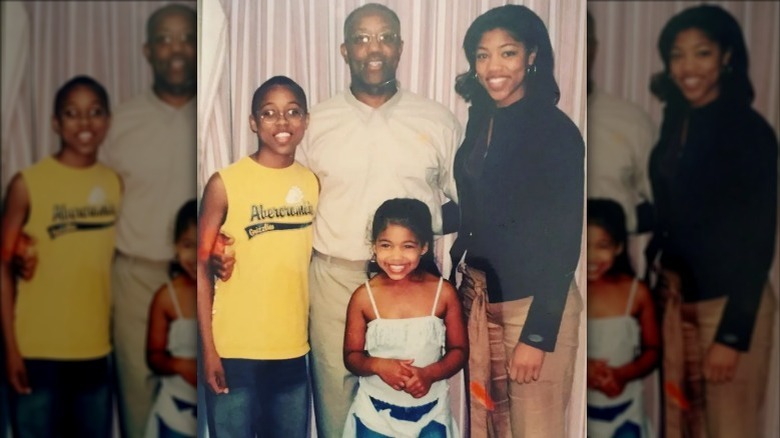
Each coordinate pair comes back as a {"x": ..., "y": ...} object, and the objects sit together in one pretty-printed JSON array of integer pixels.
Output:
[
  {"x": 531, "y": 69},
  {"x": 476, "y": 76},
  {"x": 373, "y": 258},
  {"x": 726, "y": 69}
]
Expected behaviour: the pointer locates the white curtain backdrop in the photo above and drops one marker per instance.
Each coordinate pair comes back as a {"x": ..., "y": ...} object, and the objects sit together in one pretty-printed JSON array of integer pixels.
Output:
[
  {"x": 243, "y": 43},
  {"x": 54, "y": 41},
  {"x": 627, "y": 55}
]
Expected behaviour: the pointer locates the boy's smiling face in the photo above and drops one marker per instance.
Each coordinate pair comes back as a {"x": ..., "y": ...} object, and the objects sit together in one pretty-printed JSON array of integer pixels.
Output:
[{"x": 279, "y": 123}]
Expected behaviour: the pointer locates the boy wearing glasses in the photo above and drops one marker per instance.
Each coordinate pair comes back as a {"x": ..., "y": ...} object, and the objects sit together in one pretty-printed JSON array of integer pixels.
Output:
[
  {"x": 254, "y": 325},
  {"x": 372, "y": 142}
]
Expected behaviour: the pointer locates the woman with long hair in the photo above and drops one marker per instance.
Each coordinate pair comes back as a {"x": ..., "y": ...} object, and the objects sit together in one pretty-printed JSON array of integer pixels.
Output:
[
  {"x": 714, "y": 176},
  {"x": 520, "y": 178}
]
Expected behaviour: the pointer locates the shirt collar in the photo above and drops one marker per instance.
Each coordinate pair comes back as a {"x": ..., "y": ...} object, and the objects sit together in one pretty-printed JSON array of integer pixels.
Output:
[
  {"x": 163, "y": 106},
  {"x": 367, "y": 111}
]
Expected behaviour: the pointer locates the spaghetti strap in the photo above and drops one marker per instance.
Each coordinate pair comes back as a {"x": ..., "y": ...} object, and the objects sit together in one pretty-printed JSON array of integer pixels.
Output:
[
  {"x": 373, "y": 303},
  {"x": 631, "y": 295},
  {"x": 436, "y": 300},
  {"x": 175, "y": 300}
]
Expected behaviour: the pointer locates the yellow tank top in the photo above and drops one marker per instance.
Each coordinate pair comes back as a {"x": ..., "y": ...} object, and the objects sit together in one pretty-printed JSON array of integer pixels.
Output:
[
  {"x": 262, "y": 311},
  {"x": 63, "y": 311}
]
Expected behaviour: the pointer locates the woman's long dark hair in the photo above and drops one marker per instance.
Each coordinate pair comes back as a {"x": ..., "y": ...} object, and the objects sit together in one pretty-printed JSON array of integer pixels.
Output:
[
  {"x": 609, "y": 216},
  {"x": 720, "y": 27},
  {"x": 524, "y": 26},
  {"x": 736, "y": 91}
]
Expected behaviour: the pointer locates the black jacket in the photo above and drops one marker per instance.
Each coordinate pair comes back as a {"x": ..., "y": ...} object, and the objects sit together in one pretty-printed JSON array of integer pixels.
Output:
[
  {"x": 522, "y": 209},
  {"x": 716, "y": 205}
]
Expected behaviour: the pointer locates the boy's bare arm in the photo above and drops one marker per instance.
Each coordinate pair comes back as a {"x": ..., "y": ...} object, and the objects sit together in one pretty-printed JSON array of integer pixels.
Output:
[
  {"x": 212, "y": 216},
  {"x": 17, "y": 205}
]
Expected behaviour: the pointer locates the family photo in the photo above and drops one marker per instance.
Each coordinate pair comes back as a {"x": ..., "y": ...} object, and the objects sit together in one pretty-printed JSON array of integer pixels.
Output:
[{"x": 389, "y": 218}]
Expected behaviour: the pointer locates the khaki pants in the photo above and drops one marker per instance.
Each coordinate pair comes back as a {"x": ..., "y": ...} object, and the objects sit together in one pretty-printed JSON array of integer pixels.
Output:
[
  {"x": 714, "y": 410},
  {"x": 134, "y": 282},
  {"x": 330, "y": 287},
  {"x": 529, "y": 410}
]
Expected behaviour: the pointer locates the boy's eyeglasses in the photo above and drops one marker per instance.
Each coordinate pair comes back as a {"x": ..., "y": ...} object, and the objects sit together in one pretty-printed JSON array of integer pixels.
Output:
[
  {"x": 363, "y": 39},
  {"x": 272, "y": 116}
]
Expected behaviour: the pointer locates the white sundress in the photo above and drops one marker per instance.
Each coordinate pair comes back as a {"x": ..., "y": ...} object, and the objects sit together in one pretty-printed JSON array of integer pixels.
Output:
[
  {"x": 420, "y": 338},
  {"x": 618, "y": 340},
  {"x": 177, "y": 400}
]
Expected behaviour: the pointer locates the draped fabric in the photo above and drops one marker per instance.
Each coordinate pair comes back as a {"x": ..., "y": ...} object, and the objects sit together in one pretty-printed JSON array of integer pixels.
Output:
[
  {"x": 47, "y": 43},
  {"x": 15, "y": 123},
  {"x": 243, "y": 43},
  {"x": 627, "y": 34}
]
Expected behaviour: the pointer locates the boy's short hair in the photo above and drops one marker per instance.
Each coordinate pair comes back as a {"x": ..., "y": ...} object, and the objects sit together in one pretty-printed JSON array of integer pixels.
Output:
[
  {"x": 80, "y": 81},
  {"x": 279, "y": 81}
]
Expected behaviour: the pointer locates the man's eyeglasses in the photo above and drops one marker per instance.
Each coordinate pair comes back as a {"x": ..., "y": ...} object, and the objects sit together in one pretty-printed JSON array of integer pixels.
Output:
[
  {"x": 363, "y": 39},
  {"x": 291, "y": 115},
  {"x": 167, "y": 38}
]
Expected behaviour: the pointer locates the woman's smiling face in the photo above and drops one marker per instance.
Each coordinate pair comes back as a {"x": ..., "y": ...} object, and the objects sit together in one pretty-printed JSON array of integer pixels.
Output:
[
  {"x": 695, "y": 64},
  {"x": 501, "y": 63}
]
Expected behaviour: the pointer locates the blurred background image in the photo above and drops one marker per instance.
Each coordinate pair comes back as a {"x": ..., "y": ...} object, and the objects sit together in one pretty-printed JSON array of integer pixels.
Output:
[
  {"x": 695, "y": 172},
  {"x": 140, "y": 57}
]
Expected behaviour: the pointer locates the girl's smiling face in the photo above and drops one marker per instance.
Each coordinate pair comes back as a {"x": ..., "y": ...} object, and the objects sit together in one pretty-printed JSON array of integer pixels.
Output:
[
  {"x": 398, "y": 251},
  {"x": 81, "y": 122},
  {"x": 601, "y": 252}
]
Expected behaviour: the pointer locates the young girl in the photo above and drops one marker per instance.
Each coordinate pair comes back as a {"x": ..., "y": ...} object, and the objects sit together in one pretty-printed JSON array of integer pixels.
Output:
[
  {"x": 171, "y": 342},
  {"x": 254, "y": 325},
  {"x": 404, "y": 333},
  {"x": 56, "y": 321},
  {"x": 623, "y": 335}
]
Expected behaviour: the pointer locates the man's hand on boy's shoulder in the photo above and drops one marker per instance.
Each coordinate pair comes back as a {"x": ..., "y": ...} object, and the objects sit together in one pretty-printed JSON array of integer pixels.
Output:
[{"x": 25, "y": 258}]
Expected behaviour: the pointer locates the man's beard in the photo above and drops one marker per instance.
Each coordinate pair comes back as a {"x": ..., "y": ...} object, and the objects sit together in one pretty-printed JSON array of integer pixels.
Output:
[
  {"x": 186, "y": 87},
  {"x": 387, "y": 87}
]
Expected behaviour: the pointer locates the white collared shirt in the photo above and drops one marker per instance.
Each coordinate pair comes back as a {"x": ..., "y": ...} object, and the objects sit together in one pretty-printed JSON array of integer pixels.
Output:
[
  {"x": 152, "y": 146},
  {"x": 620, "y": 138},
  {"x": 364, "y": 156}
]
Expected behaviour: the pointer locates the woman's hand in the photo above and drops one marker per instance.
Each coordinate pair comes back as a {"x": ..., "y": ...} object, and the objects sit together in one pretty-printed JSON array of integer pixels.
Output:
[
  {"x": 215, "y": 374},
  {"x": 720, "y": 363},
  {"x": 419, "y": 383},
  {"x": 393, "y": 372},
  {"x": 525, "y": 365}
]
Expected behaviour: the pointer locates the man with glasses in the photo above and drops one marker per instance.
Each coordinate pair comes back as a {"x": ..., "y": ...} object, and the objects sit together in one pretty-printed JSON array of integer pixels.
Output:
[
  {"x": 370, "y": 143},
  {"x": 151, "y": 145}
]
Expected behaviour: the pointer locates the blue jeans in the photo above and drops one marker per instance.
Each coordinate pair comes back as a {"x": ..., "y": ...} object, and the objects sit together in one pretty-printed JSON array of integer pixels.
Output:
[
  {"x": 431, "y": 430},
  {"x": 267, "y": 398},
  {"x": 68, "y": 398}
]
